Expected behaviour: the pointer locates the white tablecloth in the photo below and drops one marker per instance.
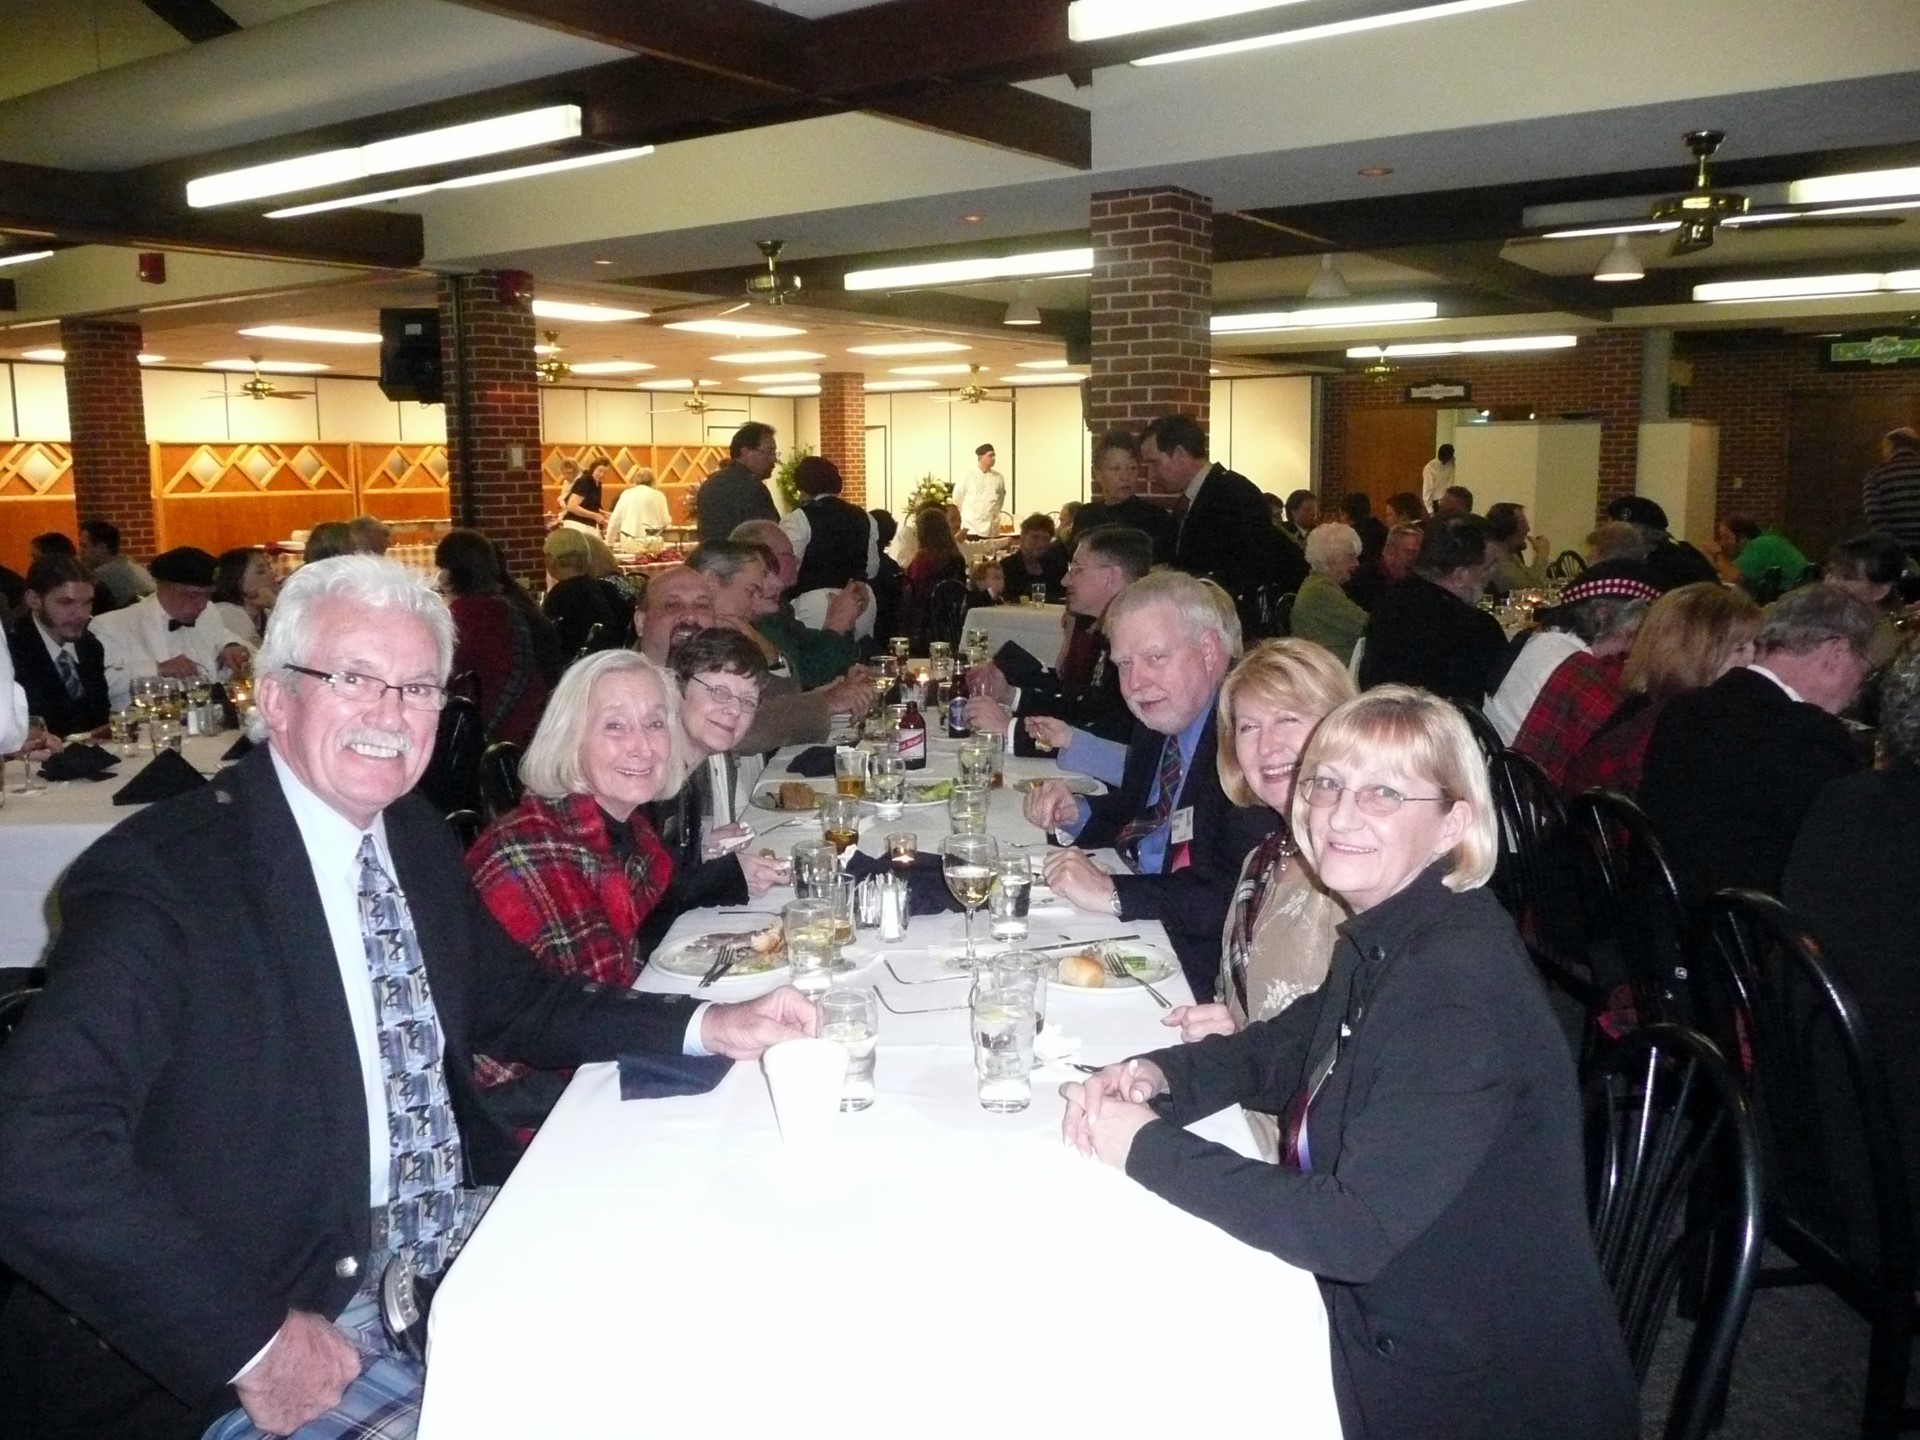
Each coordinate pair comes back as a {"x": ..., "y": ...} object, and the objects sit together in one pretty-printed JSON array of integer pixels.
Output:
[
  {"x": 1034, "y": 628},
  {"x": 660, "y": 1268},
  {"x": 41, "y": 834}
]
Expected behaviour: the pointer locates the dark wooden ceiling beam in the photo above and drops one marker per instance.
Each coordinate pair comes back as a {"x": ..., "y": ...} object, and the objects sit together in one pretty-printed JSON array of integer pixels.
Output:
[{"x": 194, "y": 20}]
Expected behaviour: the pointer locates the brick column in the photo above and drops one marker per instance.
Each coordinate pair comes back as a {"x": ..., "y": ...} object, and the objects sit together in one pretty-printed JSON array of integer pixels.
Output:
[
  {"x": 107, "y": 416},
  {"x": 843, "y": 431},
  {"x": 1151, "y": 298},
  {"x": 493, "y": 453}
]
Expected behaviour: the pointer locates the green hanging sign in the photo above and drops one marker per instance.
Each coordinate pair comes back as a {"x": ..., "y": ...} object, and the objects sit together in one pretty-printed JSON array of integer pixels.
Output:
[{"x": 1870, "y": 352}]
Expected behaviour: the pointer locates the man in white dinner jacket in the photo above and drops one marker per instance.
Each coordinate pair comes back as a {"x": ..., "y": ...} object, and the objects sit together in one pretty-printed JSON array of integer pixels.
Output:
[{"x": 173, "y": 632}]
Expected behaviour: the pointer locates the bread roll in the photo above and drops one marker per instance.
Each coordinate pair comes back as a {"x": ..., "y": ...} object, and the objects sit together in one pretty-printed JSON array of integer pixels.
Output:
[
  {"x": 797, "y": 795},
  {"x": 1082, "y": 970}
]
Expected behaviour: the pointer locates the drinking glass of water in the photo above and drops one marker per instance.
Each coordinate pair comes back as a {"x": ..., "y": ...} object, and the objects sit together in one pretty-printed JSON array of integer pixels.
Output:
[
  {"x": 808, "y": 928},
  {"x": 1007, "y": 905},
  {"x": 850, "y": 1017},
  {"x": 1003, "y": 1014}
]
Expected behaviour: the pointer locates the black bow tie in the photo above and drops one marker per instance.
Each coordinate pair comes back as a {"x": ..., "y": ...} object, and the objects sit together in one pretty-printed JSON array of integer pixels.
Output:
[{"x": 173, "y": 625}]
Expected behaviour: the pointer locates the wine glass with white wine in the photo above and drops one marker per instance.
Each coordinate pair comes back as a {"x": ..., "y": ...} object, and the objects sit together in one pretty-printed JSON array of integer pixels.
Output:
[{"x": 969, "y": 863}]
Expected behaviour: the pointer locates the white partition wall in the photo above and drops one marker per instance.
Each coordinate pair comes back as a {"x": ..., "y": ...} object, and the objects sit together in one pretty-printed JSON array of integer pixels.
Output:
[
  {"x": 1551, "y": 466},
  {"x": 1677, "y": 468},
  {"x": 1263, "y": 428},
  {"x": 1052, "y": 451}
]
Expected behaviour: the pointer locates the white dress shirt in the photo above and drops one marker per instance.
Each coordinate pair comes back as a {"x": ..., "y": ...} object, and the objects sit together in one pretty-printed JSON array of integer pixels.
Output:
[
  {"x": 13, "y": 706},
  {"x": 1435, "y": 476},
  {"x": 1792, "y": 694},
  {"x": 640, "y": 509},
  {"x": 135, "y": 641},
  {"x": 1543, "y": 654}
]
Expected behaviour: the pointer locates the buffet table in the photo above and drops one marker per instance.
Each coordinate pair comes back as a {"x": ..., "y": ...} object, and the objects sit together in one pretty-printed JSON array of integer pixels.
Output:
[
  {"x": 662, "y": 1267},
  {"x": 43, "y": 832}
]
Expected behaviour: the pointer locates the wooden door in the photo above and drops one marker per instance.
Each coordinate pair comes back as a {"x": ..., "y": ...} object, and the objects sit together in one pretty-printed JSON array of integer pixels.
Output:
[
  {"x": 1385, "y": 450},
  {"x": 1833, "y": 440}
]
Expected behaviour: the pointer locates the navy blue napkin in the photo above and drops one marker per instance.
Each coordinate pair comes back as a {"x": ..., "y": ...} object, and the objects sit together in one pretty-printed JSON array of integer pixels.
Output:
[
  {"x": 166, "y": 776},
  {"x": 654, "y": 1077},
  {"x": 79, "y": 762},
  {"x": 927, "y": 890},
  {"x": 815, "y": 762},
  {"x": 239, "y": 750}
]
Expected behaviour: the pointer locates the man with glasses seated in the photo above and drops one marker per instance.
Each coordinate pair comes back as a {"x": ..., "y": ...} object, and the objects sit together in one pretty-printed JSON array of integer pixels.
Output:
[
  {"x": 249, "y": 1086},
  {"x": 1075, "y": 707},
  {"x": 1181, "y": 839}
]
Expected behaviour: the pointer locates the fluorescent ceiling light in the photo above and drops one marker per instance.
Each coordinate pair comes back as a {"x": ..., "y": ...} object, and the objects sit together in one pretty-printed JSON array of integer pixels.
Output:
[
  {"x": 1041, "y": 379},
  {"x": 1463, "y": 347},
  {"x": 1861, "y": 185},
  {"x": 1326, "y": 316},
  {"x": 931, "y": 370},
  {"x": 24, "y": 258},
  {"x": 1041, "y": 364},
  {"x": 463, "y": 182},
  {"x": 56, "y": 356},
  {"x": 877, "y": 385},
  {"x": 593, "y": 314},
  {"x": 383, "y": 157},
  {"x": 1104, "y": 19},
  {"x": 270, "y": 367},
  {"x": 960, "y": 272},
  {"x": 312, "y": 335},
  {"x": 1647, "y": 227},
  {"x": 1903, "y": 280},
  {"x": 784, "y": 377},
  {"x": 791, "y": 390},
  {"x": 611, "y": 367},
  {"x": 1793, "y": 287},
  {"x": 907, "y": 347},
  {"x": 666, "y": 384},
  {"x": 735, "y": 329},
  {"x": 767, "y": 357},
  {"x": 1324, "y": 32}
]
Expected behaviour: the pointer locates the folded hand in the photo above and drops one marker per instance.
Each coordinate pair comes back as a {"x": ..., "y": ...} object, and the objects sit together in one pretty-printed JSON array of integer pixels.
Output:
[
  {"x": 1107, "y": 1109},
  {"x": 742, "y": 1031}
]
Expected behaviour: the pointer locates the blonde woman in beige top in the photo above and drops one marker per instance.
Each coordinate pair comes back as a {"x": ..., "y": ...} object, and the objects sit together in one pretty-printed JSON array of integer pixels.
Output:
[{"x": 1279, "y": 932}]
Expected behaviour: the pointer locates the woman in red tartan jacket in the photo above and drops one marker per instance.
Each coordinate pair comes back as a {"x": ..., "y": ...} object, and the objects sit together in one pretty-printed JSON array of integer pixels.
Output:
[{"x": 573, "y": 871}]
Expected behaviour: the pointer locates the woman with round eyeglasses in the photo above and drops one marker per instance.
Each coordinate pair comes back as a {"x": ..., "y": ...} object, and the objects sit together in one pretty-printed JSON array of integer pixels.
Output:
[
  {"x": 1280, "y": 928},
  {"x": 575, "y": 870},
  {"x": 720, "y": 673},
  {"x": 1431, "y": 1170}
]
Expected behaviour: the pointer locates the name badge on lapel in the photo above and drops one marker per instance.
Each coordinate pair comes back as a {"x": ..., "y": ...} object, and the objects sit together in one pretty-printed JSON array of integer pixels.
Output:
[{"x": 1182, "y": 826}]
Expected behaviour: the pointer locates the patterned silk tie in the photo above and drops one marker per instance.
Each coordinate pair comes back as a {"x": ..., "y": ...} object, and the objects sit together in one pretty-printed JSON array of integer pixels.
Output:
[
  {"x": 1141, "y": 826},
  {"x": 69, "y": 674},
  {"x": 424, "y": 1218}
]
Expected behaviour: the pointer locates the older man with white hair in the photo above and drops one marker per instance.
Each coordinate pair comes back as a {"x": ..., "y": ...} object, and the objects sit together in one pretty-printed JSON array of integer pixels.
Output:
[
  {"x": 248, "y": 1088},
  {"x": 1173, "y": 640}
]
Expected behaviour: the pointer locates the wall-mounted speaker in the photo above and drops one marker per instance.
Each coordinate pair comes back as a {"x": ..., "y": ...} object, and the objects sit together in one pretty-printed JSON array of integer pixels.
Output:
[{"x": 410, "y": 355}]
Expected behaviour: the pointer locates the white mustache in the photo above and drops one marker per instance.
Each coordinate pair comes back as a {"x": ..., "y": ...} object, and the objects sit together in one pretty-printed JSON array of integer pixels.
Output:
[{"x": 387, "y": 739}]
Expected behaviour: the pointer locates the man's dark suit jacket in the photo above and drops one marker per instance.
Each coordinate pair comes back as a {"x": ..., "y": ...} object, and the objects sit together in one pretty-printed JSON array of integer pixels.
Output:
[
  {"x": 1228, "y": 535},
  {"x": 1191, "y": 902},
  {"x": 33, "y": 667},
  {"x": 183, "y": 1129},
  {"x": 1420, "y": 634},
  {"x": 1445, "y": 1212},
  {"x": 729, "y": 497},
  {"x": 1730, "y": 773}
]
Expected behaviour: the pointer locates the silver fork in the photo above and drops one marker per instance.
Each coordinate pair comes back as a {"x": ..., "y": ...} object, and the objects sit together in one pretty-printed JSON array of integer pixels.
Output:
[
  {"x": 1115, "y": 967},
  {"x": 728, "y": 955}
]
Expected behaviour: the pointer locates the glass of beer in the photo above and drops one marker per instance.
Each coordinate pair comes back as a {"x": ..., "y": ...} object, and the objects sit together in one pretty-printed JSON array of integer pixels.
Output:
[
  {"x": 840, "y": 822},
  {"x": 850, "y": 771}
]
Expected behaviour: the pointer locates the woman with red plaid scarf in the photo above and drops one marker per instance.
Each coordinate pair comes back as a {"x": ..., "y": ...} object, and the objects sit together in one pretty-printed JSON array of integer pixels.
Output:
[{"x": 575, "y": 869}]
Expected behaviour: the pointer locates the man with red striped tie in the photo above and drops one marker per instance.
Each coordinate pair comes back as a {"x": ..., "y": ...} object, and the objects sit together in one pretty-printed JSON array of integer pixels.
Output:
[{"x": 1181, "y": 840}]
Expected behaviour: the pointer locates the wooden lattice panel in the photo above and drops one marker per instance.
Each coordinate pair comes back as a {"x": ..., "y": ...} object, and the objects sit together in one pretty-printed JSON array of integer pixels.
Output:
[
  {"x": 188, "y": 471},
  {"x": 385, "y": 468},
  {"x": 35, "y": 469},
  {"x": 671, "y": 464}
]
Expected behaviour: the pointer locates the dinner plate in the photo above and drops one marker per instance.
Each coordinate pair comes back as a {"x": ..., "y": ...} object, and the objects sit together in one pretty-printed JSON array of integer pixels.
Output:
[
  {"x": 1076, "y": 784},
  {"x": 693, "y": 958},
  {"x": 766, "y": 796},
  {"x": 1151, "y": 963},
  {"x": 944, "y": 789}
]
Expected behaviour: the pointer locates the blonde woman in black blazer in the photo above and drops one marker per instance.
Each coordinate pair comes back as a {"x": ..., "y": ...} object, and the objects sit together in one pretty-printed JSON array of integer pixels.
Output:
[{"x": 1431, "y": 1172}]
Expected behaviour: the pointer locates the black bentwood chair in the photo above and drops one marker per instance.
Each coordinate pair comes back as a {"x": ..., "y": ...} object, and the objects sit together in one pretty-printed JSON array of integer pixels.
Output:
[
  {"x": 1566, "y": 566},
  {"x": 500, "y": 786},
  {"x": 467, "y": 826},
  {"x": 947, "y": 611},
  {"x": 452, "y": 777},
  {"x": 1630, "y": 904},
  {"x": 1535, "y": 876},
  {"x": 1838, "y": 1202},
  {"x": 1676, "y": 1184},
  {"x": 13, "y": 1009}
]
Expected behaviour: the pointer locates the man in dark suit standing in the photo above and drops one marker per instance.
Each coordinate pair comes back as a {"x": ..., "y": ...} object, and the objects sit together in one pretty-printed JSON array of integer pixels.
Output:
[
  {"x": 737, "y": 491},
  {"x": 1732, "y": 770},
  {"x": 1182, "y": 840},
  {"x": 56, "y": 659},
  {"x": 1225, "y": 527},
  {"x": 1429, "y": 630},
  {"x": 248, "y": 1086}
]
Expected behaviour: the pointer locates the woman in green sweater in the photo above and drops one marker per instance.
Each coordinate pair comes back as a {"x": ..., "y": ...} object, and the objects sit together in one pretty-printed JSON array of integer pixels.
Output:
[{"x": 1323, "y": 612}]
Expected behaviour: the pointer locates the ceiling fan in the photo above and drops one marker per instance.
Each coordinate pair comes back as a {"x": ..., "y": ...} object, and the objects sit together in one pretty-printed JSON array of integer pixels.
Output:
[
  {"x": 773, "y": 286},
  {"x": 258, "y": 387},
  {"x": 972, "y": 393},
  {"x": 699, "y": 404},
  {"x": 1700, "y": 210},
  {"x": 550, "y": 368}
]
